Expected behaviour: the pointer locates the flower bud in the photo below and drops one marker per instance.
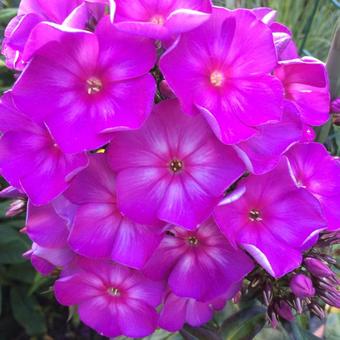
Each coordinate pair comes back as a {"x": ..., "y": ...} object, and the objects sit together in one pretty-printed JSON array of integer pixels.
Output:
[
  {"x": 332, "y": 298},
  {"x": 267, "y": 294},
  {"x": 335, "y": 105},
  {"x": 237, "y": 297},
  {"x": 15, "y": 208},
  {"x": 11, "y": 192},
  {"x": 271, "y": 315},
  {"x": 283, "y": 309},
  {"x": 298, "y": 305},
  {"x": 317, "y": 267},
  {"x": 317, "y": 310},
  {"x": 336, "y": 119},
  {"x": 302, "y": 286},
  {"x": 329, "y": 259},
  {"x": 166, "y": 90}
]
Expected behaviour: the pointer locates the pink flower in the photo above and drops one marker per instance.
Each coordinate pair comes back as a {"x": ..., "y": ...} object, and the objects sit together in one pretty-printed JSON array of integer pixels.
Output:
[
  {"x": 30, "y": 159},
  {"x": 29, "y": 25},
  {"x": 282, "y": 35},
  {"x": 45, "y": 227},
  {"x": 231, "y": 66},
  {"x": 99, "y": 230},
  {"x": 112, "y": 299},
  {"x": 308, "y": 134},
  {"x": 40, "y": 264},
  {"x": 272, "y": 220},
  {"x": 318, "y": 172},
  {"x": 173, "y": 169},
  {"x": 198, "y": 264},
  {"x": 88, "y": 85},
  {"x": 262, "y": 152},
  {"x": 160, "y": 19},
  {"x": 45, "y": 260},
  {"x": 177, "y": 311},
  {"x": 49, "y": 231},
  {"x": 306, "y": 84}
]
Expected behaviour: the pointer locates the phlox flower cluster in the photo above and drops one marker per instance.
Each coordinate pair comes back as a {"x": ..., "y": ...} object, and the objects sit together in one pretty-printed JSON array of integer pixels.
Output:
[{"x": 165, "y": 148}]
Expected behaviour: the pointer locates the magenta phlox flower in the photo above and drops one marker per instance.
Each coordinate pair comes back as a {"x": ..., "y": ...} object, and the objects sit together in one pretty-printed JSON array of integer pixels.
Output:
[
  {"x": 29, "y": 156},
  {"x": 46, "y": 260},
  {"x": 306, "y": 84},
  {"x": 272, "y": 220},
  {"x": 112, "y": 299},
  {"x": 31, "y": 13},
  {"x": 198, "y": 264},
  {"x": 99, "y": 230},
  {"x": 164, "y": 154},
  {"x": 231, "y": 66},
  {"x": 173, "y": 169},
  {"x": 282, "y": 35},
  {"x": 178, "y": 311},
  {"x": 49, "y": 233},
  {"x": 318, "y": 172},
  {"x": 263, "y": 151},
  {"x": 308, "y": 133},
  {"x": 85, "y": 86},
  {"x": 46, "y": 227},
  {"x": 161, "y": 19}
]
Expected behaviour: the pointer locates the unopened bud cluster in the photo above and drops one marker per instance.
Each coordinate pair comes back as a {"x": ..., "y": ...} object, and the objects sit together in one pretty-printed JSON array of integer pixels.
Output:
[{"x": 308, "y": 288}]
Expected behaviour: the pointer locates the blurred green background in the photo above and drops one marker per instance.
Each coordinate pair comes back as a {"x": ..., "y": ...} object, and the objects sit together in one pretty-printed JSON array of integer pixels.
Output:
[{"x": 27, "y": 307}]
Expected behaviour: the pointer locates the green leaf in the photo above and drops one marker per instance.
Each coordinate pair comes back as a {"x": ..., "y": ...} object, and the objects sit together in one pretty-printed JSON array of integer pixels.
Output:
[
  {"x": 3, "y": 208},
  {"x": 245, "y": 324},
  {"x": 27, "y": 312},
  {"x": 38, "y": 282},
  {"x": 0, "y": 300},
  {"x": 159, "y": 334},
  {"x": 3, "y": 280},
  {"x": 8, "y": 234},
  {"x": 163, "y": 335},
  {"x": 6, "y": 14},
  {"x": 12, "y": 252},
  {"x": 22, "y": 272},
  {"x": 298, "y": 333},
  {"x": 229, "y": 310},
  {"x": 269, "y": 333},
  {"x": 201, "y": 333},
  {"x": 332, "y": 326}
]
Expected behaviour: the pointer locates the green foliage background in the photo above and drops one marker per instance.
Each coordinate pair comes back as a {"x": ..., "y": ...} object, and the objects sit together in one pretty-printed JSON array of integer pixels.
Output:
[{"x": 27, "y": 307}]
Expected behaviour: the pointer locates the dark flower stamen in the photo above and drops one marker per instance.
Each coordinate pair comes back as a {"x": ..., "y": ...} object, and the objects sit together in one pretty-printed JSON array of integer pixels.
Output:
[
  {"x": 254, "y": 215},
  {"x": 193, "y": 241},
  {"x": 176, "y": 165}
]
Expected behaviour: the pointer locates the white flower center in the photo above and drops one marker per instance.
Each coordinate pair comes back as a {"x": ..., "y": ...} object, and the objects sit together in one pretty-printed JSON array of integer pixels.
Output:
[
  {"x": 114, "y": 291},
  {"x": 217, "y": 78}
]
